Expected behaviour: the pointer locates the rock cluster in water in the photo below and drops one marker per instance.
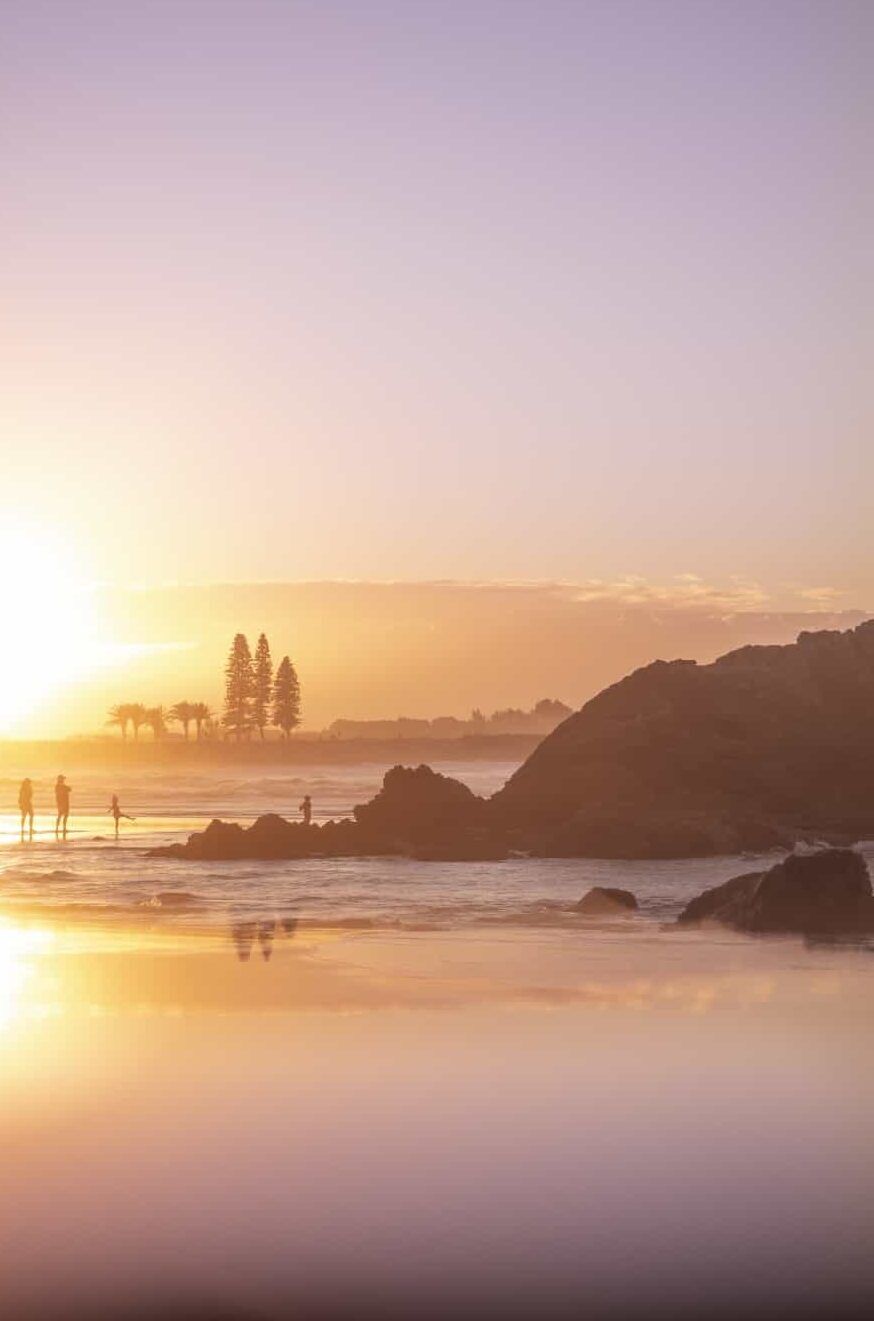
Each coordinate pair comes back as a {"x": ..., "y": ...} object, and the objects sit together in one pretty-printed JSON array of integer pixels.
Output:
[
  {"x": 417, "y": 813},
  {"x": 763, "y": 748}
]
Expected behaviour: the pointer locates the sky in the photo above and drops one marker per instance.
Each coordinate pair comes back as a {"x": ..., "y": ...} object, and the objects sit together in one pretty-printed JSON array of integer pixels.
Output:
[{"x": 492, "y": 291}]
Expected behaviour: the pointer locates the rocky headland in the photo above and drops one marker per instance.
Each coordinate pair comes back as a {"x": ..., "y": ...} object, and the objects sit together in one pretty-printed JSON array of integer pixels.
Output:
[{"x": 763, "y": 748}]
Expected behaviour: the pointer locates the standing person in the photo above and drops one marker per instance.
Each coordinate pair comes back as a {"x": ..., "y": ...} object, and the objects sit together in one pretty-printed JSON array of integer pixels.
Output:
[
  {"x": 116, "y": 813},
  {"x": 25, "y": 803},
  {"x": 62, "y": 800},
  {"x": 307, "y": 808}
]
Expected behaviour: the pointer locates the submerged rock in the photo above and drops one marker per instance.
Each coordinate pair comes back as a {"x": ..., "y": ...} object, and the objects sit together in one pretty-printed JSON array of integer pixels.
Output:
[
  {"x": 605, "y": 900},
  {"x": 175, "y": 899},
  {"x": 822, "y": 893}
]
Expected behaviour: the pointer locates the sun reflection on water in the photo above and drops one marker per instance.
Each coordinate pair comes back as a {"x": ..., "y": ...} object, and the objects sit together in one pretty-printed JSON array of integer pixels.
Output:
[{"x": 20, "y": 949}]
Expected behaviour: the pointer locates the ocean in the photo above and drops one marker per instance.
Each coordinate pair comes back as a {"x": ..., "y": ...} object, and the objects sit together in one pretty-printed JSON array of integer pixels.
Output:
[{"x": 93, "y": 877}]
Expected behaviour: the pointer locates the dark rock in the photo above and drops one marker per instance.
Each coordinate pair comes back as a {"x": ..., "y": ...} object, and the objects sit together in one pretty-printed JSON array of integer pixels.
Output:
[
  {"x": 721, "y": 899},
  {"x": 417, "y": 812},
  {"x": 657, "y": 834},
  {"x": 605, "y": 900},
  {"x": 822, "y": 893},
  {"x": 764, "y": 747},
  {"x": 420, "y": 808},
  {"x": 221, "y": 840}
]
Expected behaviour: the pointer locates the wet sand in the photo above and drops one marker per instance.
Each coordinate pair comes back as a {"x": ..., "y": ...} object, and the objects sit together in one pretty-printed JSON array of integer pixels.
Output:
[{"x": 513, "y": 1123}]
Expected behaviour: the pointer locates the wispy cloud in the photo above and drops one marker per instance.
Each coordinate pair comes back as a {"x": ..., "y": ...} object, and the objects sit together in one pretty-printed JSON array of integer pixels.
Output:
[
  {"x": 822, "y": 596},
  {"x": 684, "y": 590}
]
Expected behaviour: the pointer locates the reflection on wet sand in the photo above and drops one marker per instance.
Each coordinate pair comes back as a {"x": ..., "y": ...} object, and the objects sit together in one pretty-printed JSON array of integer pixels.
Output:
[
  {"x": 530, "y": 1124},
  {"x": 244, "y": 935},
  {"x": 74, "y": 967}
]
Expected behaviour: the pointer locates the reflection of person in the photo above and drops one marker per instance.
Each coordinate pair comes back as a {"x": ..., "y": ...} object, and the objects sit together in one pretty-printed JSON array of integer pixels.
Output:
[
  {"x": 62, "y": 800},
  {"x": 25, "y": 803},
  {"x": 307, "y": 808},
  {"x": 116, "y": 813}
]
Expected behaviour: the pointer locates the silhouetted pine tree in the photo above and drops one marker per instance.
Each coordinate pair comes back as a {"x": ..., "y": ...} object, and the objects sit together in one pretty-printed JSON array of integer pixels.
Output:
[
  {"x": 286, "y": 698},
  {"x": 263, "y": 685},
  {"x": 239, "y": 688}
]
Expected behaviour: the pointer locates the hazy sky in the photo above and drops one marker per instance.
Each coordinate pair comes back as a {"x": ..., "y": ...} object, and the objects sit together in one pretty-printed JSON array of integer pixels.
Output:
[
  {"x": 371, "y": 650},
  {"x": 440, "y": 290}
]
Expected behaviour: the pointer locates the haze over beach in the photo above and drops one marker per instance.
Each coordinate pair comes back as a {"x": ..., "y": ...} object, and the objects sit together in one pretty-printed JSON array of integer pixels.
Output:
[{"x": 437, "y": 688}]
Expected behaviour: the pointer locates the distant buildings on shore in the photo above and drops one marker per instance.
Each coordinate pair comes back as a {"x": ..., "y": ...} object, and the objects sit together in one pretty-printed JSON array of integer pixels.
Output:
[{"x": 541, "y": 720}]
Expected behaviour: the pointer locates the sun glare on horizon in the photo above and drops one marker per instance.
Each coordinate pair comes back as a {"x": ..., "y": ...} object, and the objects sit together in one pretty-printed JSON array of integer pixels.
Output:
[{"x": 51, "y": 628}]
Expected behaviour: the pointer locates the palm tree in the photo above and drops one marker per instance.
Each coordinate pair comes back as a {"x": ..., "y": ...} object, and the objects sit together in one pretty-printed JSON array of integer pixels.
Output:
[
  {"x": 120, "y": 715},
  {"x": 136, "y": 714},
  {"x": 201, "y": 715},
  {"x": 156, "y": 719},
  {"x": 183, "y": 714}
]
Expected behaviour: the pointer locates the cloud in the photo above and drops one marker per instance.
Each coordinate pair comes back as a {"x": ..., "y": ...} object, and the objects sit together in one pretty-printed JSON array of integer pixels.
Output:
[
  {"x": 683, "y": 591},
  {"x": 821, "y": 595}
]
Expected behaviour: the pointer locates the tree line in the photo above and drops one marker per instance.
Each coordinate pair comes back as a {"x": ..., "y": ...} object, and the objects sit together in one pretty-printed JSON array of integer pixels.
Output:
[
  {"x": 134, "y": 716},
  {"x": 255, "y": 698}
]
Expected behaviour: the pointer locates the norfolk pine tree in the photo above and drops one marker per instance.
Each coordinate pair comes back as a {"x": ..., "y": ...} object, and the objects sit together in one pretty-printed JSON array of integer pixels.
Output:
[
  {"x": 263, "y": 685},
  {"x": 239, "y": 688},
  {"x": 286, "y": 698}
]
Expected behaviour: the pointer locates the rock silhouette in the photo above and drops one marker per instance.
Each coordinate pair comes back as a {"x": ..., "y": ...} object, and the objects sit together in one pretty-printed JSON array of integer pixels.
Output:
[
  {"x": 604, "y": 900},
  {"x": 418, "y": 813},
  {"x": 822, "y": 893},
  {"x": 429, "y": 816},
  {"x": 765, "y": 747}
]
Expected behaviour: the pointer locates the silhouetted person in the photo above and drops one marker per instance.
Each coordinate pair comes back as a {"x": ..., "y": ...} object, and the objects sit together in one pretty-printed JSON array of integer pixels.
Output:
[
  {"x": 307, "y": 808},
  {"x": 116, "y": 813},
  {"x": 25, "y": 803},
  {"x": 62, "y": 800}
]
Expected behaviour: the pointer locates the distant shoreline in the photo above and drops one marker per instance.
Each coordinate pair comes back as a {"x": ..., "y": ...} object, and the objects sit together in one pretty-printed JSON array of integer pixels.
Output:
[{"x": 303, "y": 751}]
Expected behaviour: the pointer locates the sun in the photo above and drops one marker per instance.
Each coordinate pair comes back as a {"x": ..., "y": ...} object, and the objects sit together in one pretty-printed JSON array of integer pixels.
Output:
[{"x": 49, "y": 626}]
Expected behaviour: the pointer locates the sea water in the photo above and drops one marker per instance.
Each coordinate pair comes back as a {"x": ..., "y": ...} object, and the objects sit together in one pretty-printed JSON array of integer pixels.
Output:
[{"x": 92, "y": 876}]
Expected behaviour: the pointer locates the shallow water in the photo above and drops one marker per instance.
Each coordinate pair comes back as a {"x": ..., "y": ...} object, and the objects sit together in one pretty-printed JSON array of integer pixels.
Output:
[{"x": 92, "y": 876}]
